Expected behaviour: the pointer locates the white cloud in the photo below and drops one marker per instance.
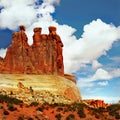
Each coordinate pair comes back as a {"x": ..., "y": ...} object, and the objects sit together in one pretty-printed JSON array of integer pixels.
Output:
[
  {"x": 116, "y": 59},
  {"x": 85, "y": 82},
  {"x": 104, "y": 83},
  {"x": 96, "y": 39},
  {"x": 16, "y": 13},
  {"x": 96, "y": 64},
  {"x": 3, "y": 52},
  {"x": 101, "y": 74},
  {"x": 115, "y": 72}
]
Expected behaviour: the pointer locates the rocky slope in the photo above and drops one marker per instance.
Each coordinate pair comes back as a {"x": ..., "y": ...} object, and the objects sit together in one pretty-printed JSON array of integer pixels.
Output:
[
  {"x": 39, "y": 88},
  {"x": 13, "y": 109},
  {"x": 36, "y": 73}
]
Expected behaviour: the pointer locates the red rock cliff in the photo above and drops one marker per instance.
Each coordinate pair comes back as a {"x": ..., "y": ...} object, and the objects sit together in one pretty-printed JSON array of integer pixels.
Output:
[{"x": 44, "y": 56}]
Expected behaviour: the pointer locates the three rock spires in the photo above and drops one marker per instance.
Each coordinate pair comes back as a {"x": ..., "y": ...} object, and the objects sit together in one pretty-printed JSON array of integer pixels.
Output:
[{"x": 44, "y": 56}]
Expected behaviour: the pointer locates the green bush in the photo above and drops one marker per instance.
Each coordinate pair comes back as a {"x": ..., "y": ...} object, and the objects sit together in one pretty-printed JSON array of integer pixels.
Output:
[
  {"x": 59, "y": 109},
  {"x": 34, "y": 104},
  {"x": 30, "y": 118},
  {"x": 7, "y": 99},
  {"x": 21, "y": 118},
  {"x": 113, "y": 109},
  {"x": 97, "y": 112},
  {"x": 58, "y": 116},
  {"x": 1, "y": 107},
  {"x": 57, "y": 104},
  {"x": 71, "y": 108},
  {"x": 117, "y": 116},
  {"x": 6, "y": 112},
  {"x": 97, "y": 116},
  {"x": 81, "y": 112},
  {"x": 11, "y": 107},
  {"x": 40, "y": 109},
  {"x": 70, "y": 117}
]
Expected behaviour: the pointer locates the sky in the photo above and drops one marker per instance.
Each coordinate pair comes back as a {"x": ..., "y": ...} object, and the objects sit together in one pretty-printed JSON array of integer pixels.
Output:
[{"x": 90, "y": 31}]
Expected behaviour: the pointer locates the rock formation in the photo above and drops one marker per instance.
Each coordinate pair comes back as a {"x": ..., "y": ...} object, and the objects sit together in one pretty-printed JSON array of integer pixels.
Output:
[
  {"x": 43, "y": 61},
  {"x": 96, "y": 103},
  {"x": 44, "y": 56},
  {"x": 39, "y": 88}
]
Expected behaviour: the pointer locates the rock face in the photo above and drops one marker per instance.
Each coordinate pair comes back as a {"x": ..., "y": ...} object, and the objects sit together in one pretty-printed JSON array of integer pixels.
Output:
[
  {"x": 40, "y": 88},
  {"x": 44, "y": 56},
  {"x": 43, "y": 61}
]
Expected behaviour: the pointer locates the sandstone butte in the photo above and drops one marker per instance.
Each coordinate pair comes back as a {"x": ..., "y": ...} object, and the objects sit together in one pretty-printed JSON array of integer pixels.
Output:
[{"x": 37, "y": 70}]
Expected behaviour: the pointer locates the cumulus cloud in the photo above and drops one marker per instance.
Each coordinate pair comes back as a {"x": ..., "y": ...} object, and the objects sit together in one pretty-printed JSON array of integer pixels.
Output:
[
  {"x": 25, "y": 12},
  {"x": 101, "y": 74},
  {"x": 17, "y": 12},
  {"x": 96, "y": 39}
]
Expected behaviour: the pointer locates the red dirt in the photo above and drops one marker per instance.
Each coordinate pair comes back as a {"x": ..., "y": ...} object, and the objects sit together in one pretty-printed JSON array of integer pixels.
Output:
[{"x": 48, "y": 112}]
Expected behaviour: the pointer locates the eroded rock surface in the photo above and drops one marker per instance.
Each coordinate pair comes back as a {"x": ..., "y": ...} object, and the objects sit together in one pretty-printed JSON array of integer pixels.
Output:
[
  {"x": 44, "y": 56},
  {"x": 40, "y": 88}
]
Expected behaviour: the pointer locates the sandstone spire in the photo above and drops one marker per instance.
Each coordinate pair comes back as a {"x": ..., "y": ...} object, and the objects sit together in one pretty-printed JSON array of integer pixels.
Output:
[{"x": 44, "y": 56}]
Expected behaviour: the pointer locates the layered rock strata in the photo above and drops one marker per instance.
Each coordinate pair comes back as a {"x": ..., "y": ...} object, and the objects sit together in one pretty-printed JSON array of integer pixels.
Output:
[{"x": 39, "y": 88}]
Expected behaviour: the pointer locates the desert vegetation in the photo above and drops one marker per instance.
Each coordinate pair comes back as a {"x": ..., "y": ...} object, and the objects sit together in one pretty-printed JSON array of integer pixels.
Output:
[{"x": 57, "y": 111}]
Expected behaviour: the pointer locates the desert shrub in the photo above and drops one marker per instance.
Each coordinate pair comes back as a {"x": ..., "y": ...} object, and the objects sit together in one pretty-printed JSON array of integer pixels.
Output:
[
  {"x": 71, "y": 108},
  {"x": 65, "y": 110},
  {"x": 34, "y": 104},
  {"x": 6, "y": 112},
  {"x": 74, "y": 106},
  {"x": 21, "y": 118},
  {"x": 57, "y": 104},
  {"x": 7, "y": 99},
  {"x": 30, "y": 118},
  {"x": 47, "y": 108},
  {"x": 40, "y": 109},
  {"x": 117, "y": 116},
  {"x": 11, "y": 107},
  {"x": 81, "y": 112},
  {"x": 80, "y": 104},
  {"x": 52, "y": 112},
  {"x": 37, "y": 118},
  {"x": 113, "y": 109},
  {"x": 97, "y": 116},
  {"x": 97, "y": 111},
  {"x": 112, "y": 113},
  {"x": 70, "y": 117},
  {"x": 1, "y": 107},
  {"x": 58, "y": 116},
  {"x": 59, "y": 109}
]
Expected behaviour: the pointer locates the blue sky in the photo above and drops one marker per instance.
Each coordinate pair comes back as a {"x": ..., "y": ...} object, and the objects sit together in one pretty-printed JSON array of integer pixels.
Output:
[{"x": 90, "y": 31}]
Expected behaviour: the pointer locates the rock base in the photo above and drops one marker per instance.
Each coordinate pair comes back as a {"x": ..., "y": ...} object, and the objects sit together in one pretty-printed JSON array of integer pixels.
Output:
[{"x": 39, "y": 88}]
